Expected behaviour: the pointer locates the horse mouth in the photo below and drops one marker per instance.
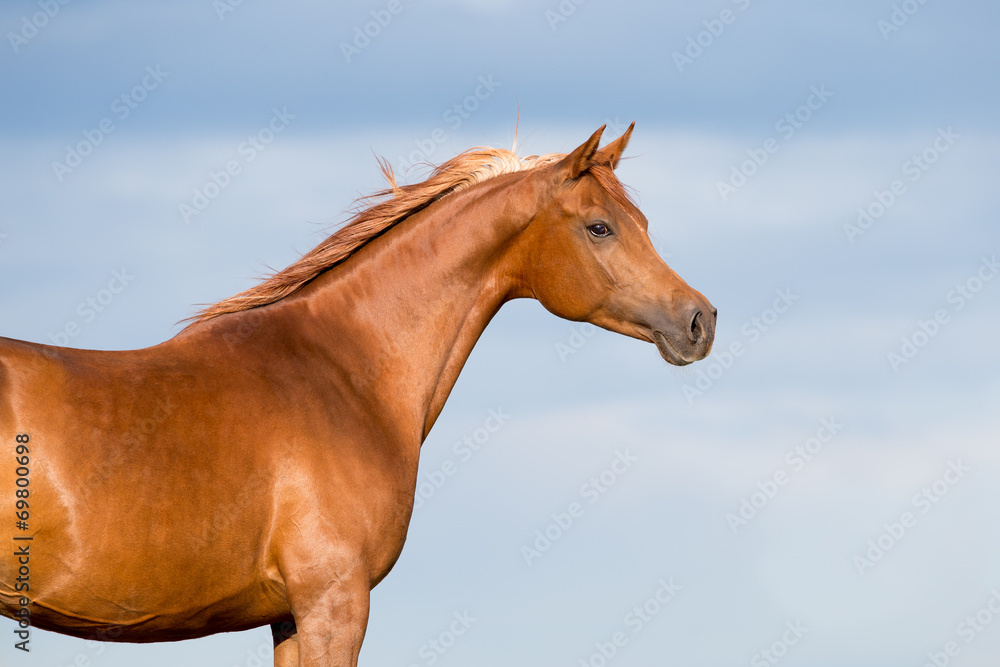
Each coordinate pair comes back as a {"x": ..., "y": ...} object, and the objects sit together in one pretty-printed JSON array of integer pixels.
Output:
[{"x": 667, "y": 350}]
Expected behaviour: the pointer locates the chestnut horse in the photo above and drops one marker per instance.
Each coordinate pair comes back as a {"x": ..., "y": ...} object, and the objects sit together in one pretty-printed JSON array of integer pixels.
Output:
[{"x": 259, "y": 468}]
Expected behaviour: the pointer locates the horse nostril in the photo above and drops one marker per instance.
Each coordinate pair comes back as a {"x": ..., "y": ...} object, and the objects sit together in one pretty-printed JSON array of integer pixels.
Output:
[
  {"x": 715, "y": 313},
  {"x": 696, "y": 327},
  {"x": 702, "y": 329}
]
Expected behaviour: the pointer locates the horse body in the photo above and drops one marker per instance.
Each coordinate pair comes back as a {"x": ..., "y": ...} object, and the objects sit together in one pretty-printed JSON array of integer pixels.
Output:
[
  {"x": 260, "y": 467},
  {"x": 124, "y": 464}
]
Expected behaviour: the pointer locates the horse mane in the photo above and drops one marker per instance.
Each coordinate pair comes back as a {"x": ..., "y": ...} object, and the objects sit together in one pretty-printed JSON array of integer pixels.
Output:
[{"x": 375, "y": 214}]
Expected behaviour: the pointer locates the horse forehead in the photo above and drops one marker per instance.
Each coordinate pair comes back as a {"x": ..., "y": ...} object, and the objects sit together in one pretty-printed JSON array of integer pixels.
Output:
[{"x": 591, "y": 194}]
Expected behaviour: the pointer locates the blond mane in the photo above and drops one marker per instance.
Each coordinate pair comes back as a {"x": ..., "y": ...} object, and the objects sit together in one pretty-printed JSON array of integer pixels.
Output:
[{"x": 375, "y": 214}]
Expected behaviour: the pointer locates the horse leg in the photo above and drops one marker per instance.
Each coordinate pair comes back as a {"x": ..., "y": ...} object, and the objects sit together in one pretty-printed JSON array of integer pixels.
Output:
[
  {"x": 286, "y": 644},
  {"x": 332, "y": 627}
]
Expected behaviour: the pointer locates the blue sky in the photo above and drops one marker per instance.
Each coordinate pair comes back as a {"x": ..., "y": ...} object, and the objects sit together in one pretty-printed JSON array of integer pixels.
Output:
[{"x": 576, "y": 400}]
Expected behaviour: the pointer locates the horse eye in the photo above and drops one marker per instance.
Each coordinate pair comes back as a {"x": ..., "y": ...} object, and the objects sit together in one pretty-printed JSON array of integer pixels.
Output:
[{"x": 598, "y": 229}]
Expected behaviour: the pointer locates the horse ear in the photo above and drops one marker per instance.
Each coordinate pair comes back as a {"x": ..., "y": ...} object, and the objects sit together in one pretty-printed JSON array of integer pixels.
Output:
[
  {"x": 577, "y": 162},
  {"x": 612, "y": 153}
]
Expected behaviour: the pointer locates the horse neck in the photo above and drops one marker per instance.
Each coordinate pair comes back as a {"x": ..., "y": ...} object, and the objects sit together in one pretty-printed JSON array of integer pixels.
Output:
[{"x": 401, "y": 316}]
